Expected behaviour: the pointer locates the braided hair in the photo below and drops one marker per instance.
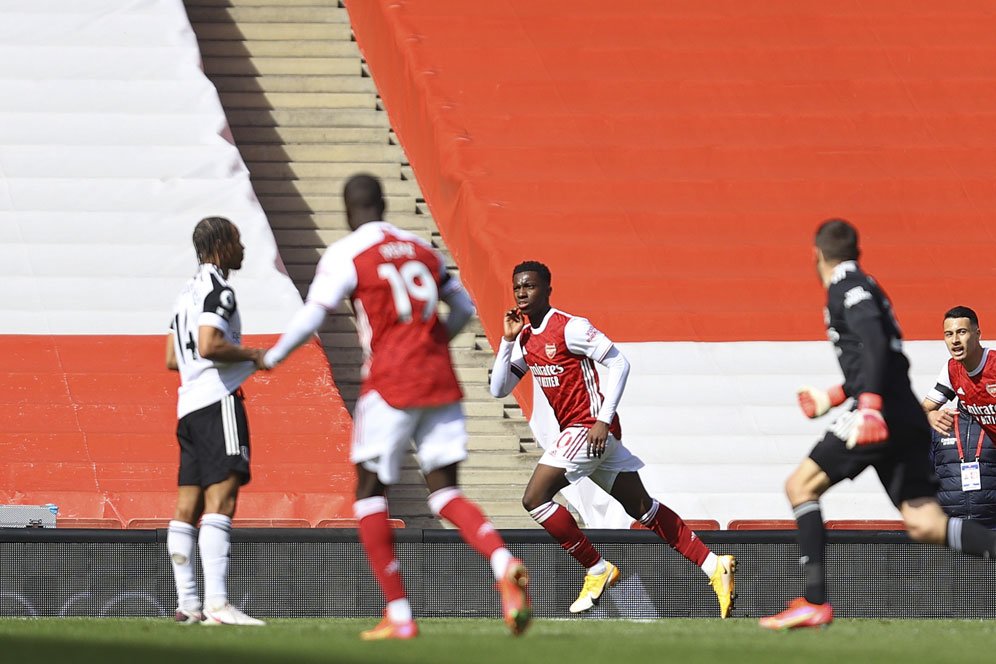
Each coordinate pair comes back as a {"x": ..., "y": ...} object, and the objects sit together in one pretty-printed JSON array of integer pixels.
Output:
[{"x": 210, "y": 235}]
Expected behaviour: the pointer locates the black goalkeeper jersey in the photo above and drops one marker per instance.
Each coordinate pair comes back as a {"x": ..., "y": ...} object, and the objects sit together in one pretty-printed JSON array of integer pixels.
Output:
[{"x": 865, "y": 334}]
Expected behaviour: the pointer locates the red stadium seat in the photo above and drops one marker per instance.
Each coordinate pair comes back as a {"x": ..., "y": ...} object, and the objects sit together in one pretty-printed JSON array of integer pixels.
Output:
[
  {"x": 147, "y": 524},
  {"x": 354, "y": 523},
  {"x": 103, "y": 524},
  {"x": 761, "y": 524},
  {"x": 694, "y": 524},
  {"x": 865, "y": 524},
  {"x": 150, "y": 524},
  {"x": 269, "y": 523}
]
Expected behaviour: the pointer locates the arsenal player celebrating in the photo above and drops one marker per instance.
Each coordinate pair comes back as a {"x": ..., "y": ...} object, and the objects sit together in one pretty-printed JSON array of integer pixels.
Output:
[{"x": 560, "y": 351}]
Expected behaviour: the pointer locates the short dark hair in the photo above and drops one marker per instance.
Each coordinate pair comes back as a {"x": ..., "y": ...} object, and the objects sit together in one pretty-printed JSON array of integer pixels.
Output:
[
  {"x": 210, "y": 235},
  {"x": 363, "y": 191},
  {"x": 962, "y": 312},
  {"x": 838, "y": 240},
  {"x": 533, "y": 266}
]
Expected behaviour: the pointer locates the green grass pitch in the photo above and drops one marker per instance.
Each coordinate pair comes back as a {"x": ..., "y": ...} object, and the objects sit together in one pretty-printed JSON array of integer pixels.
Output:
[{"x": 149, "y": 641}]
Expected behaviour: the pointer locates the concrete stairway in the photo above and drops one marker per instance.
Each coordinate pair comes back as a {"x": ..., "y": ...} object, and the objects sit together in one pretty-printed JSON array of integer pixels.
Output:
[{"x": 305, "y": 115}]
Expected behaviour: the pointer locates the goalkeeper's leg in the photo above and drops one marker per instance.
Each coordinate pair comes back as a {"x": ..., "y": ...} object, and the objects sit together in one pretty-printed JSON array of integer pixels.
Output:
[
  {"x": 926, "y": 522},
  {"x": 804, "y": 487}
]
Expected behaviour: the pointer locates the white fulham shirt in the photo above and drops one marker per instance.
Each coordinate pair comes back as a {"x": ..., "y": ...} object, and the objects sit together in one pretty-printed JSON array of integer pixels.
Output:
[{"x": 207, "y": 299}]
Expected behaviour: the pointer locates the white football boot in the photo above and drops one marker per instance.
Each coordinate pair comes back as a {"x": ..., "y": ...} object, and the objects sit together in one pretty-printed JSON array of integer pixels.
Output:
[{"x": 226, "y": 614}]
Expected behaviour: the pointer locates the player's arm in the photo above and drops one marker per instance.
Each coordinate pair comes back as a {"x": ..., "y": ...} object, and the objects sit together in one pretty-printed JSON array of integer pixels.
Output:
[
  {"x": 212, "y": 324},
  {"x": 212, "y": 345},
  {"x": 614, "y": 384},
  {"x": 452, "y": 292},
  {"x": 865, "y": 317},
  {"x": 334, "y": 280},
  {"x": 583, "y": 338},
  {"x": 171, "y": 353},
  {"x": 941, "y": 419},
  {"x": 509, "y": 366}
]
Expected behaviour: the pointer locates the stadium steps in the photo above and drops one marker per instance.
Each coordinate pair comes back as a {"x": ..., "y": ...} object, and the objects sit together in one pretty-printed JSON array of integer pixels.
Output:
[{"x": 306, "y": 115}]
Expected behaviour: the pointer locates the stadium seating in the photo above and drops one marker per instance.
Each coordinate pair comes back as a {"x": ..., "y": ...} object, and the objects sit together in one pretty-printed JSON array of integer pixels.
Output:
[
  {"x": 694, "y": 524},
  {"x": 670, "y": 162},
  {"x": 865, "y": 524},
  {"x": 353, "y": 523},
  {"x": 89, "y": 524},
  {"x": 113, "y": 145},
  {"x": 761, "y": 524}
]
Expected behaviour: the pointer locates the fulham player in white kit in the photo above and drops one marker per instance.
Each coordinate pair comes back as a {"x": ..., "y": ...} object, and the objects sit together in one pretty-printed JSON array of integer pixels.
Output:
[
  {"x": 560, "y": 350},
  {"x": 204, "y": 346},
  {"x": 409, "y": 393}
]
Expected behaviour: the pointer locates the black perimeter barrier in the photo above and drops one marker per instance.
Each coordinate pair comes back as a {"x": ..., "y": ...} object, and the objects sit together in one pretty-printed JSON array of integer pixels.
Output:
[{"x": 323, "y": 573}]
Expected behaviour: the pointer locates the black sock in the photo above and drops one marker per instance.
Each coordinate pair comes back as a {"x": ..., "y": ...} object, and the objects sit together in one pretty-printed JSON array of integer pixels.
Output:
[
  {"x": 812, "y": 541},
  {"x": 971, "y": 538}
]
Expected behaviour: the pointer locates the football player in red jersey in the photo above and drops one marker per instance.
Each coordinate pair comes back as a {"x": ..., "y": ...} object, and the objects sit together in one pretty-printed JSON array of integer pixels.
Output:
[
  {"x": 409, "y": 393},
  {"x": 560, "y": 351},
  {"x": 969, "y": 375}
]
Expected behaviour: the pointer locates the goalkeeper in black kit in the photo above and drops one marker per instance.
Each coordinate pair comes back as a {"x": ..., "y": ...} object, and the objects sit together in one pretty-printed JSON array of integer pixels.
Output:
[{"x": 885, "y": 428}]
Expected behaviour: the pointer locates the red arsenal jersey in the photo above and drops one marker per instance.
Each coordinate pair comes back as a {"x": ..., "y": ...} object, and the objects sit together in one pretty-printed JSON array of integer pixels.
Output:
[
  {"x": 561, "y": 355},
  {"x": 395, "y": 280},
  {"x": 976, "y": 389}
]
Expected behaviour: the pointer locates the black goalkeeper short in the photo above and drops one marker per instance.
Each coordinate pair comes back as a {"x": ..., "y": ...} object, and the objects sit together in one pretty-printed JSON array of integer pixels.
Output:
[
  {"x": 214, "y": 443},
  {"x": 902, "y": 462}
]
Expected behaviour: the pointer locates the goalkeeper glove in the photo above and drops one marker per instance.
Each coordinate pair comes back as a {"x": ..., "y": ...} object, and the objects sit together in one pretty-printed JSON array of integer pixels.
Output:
[
  {"x": 815, "y": 402},
  {"x": 869, "y": 426}
]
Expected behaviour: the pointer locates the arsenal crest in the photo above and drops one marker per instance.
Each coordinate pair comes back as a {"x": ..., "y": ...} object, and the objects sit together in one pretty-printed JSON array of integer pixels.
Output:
[
  {"x": 551, "y": 351},
  {"x": 991, "y": 389}
]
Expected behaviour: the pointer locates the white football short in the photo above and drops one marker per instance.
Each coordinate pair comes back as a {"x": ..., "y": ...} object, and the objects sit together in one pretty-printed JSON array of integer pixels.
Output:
[
  {"x": 382, "y": 434},
  {"x": 570, "y": 451}
]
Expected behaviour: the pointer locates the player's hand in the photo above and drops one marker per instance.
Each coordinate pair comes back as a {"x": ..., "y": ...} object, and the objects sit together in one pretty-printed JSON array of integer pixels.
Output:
[
  {"x": 597, "y": 435},
  {"x": 815, "y": 402},
  {"x": 869, "y": 425},
  {"x": 257, "y": 357},
  {"x": 942, "y": 421},
  {"x": 514, "y": 322}
]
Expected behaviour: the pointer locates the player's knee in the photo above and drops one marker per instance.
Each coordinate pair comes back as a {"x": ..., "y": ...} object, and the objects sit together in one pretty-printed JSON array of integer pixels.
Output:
[
  {"x": 531, "y": 500},
  {"x": 368, "y": 486},
  {"x": 224, "y": 506},
  {"x": 795, "y": 489},
  {"x": 187, "y": 513}
]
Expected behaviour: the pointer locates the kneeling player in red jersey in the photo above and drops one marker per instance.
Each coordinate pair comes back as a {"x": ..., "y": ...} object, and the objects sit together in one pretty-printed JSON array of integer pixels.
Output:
[
  {"x": 409, "y": 393},
  {"x": 560, "y": 351}
]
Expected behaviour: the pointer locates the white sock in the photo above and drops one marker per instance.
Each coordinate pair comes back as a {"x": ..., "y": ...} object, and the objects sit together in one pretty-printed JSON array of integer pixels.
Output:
[
  {"x": 215, "y": 545},
  {"x": 399, "y": 611},
  {"x": 499, "y": 562},
  {"x": 180, "y": 546},
  {"x": 598, "y": 568},
  {"x": 709, "y": 564}
]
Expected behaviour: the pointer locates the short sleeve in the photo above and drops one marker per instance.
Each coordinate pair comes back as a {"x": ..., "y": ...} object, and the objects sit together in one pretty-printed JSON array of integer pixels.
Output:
[
  {"x": 335, "y": 279},
  {"x": 219, "y": 307},
  {"x": 583, "y": 338},
  {"x": 942, "y": 392}
]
